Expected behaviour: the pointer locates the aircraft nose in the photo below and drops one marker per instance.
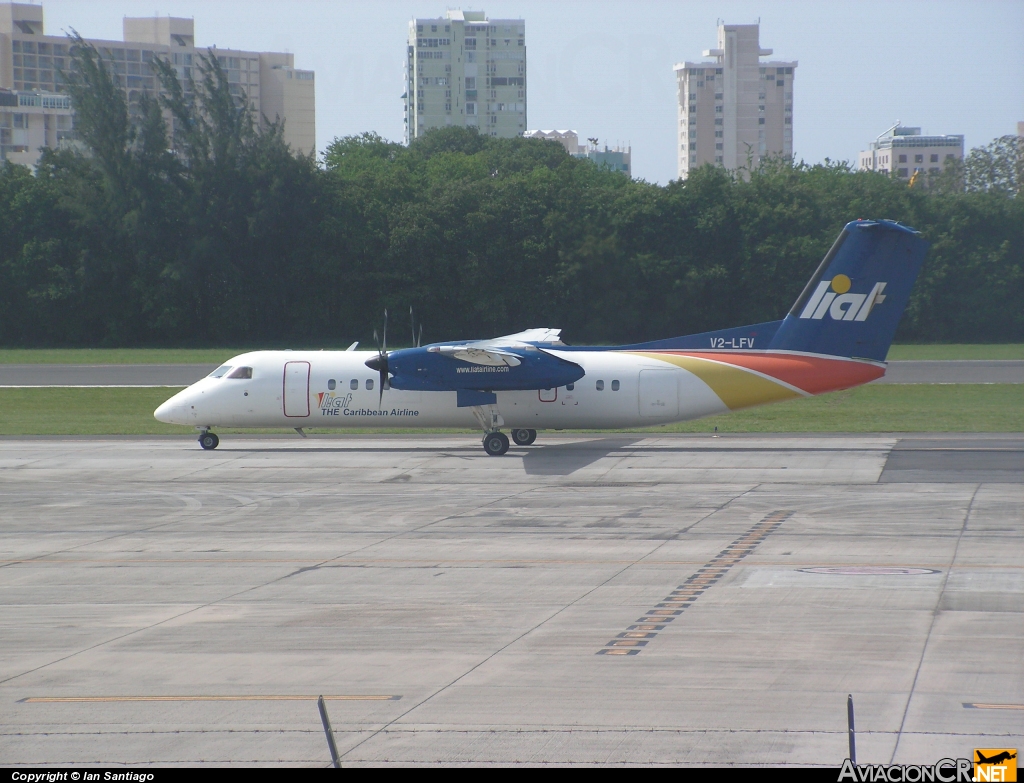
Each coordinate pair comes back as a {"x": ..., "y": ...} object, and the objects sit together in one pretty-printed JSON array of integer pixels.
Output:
[{"x": 172, "y": 411}]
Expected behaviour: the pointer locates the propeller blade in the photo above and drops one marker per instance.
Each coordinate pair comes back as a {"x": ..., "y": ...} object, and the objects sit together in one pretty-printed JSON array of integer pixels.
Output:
[
  {"x": 380, "y": 361},
  {"x": 419, "y": 339},
  {"x": 412, "y": 325}
]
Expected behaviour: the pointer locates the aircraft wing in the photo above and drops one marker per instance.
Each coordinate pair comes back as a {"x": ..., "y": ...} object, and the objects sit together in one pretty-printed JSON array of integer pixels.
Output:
[
  {"x": 475, "y": 354},
  {"x": 530, "y": 336},
  {"x": 499, "y": 351}
]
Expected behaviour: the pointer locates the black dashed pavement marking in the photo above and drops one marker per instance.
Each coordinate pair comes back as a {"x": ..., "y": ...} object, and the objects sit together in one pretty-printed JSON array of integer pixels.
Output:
[{"x": 643, "y": 632}]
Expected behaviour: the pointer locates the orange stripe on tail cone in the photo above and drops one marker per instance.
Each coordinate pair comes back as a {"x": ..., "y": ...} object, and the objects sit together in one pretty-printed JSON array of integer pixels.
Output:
[{"x": 812, "y": 374}]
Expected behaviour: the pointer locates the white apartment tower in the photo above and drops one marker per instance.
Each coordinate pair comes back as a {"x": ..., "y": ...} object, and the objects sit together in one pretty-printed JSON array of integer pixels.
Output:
[
  {"x": 467, "y": 70},
  {"x": 31, "y": 64},
  {"x": 734, "y": 109}
]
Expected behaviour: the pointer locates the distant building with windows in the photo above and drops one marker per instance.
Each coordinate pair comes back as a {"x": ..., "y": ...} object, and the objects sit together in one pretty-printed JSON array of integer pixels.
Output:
[
  {"x": 903, "y": 151},
  {"x": 615, "y": 158},
  {"x": 31, "y": 63},
  {"x": 735, "y": 109},
  {"x": 30, "y": 120},
  {"x": 466, "y": 70}
]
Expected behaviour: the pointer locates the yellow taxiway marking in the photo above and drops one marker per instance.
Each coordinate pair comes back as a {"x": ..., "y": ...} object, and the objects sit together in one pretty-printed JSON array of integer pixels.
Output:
[
  {"x": 979, "y": 706},
  {"x": 264, "y": 697}
]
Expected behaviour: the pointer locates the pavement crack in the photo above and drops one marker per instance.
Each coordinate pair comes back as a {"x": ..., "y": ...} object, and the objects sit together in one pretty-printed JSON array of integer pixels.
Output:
[{"x": 931, "y": 626}]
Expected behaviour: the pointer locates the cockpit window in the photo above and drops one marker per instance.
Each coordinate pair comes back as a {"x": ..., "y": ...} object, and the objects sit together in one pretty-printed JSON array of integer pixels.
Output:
[
  {"x": 220, "y": 371},
  {"x": 241, "y": 372}
]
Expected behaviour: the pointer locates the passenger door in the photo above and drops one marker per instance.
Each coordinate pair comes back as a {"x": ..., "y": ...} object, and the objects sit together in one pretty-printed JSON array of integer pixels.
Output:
[{"x": 296, "y": 389}]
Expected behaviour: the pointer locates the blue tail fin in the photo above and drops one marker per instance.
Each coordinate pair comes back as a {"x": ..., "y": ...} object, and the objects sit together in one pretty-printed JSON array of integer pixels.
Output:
[{"x": 853, "y": 304}]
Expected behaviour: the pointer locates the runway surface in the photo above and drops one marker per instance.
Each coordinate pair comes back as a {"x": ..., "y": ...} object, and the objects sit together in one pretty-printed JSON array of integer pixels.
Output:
[
  {"x": 103, "y": 374},
  {"x": 970, "y": 371},
  {"x": 589, "y": 600},
  {"x": 15, "y": 375}
]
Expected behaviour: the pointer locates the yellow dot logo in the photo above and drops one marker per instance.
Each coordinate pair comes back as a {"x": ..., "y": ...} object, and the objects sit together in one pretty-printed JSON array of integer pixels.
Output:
[{"x": 840, "y": 284}]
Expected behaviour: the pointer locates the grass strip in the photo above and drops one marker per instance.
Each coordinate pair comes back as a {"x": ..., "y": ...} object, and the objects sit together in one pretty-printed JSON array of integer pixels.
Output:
[
  {"x": 117, "y": 355},
  {"x": 883, "y": 408},
  {"x": 220, "y": 355},
  {"x": 955, "y": 351}
]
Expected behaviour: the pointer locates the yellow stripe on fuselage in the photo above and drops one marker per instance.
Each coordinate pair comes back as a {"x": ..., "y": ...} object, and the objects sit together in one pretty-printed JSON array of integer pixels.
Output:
[{"x": 735, "y": 386}]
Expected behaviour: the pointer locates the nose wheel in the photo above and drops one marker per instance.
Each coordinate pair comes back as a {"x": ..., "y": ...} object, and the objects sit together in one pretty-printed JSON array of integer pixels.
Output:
[
  {"x": 524, "y": 437},
  {"x": 495, "y": 443},
  {"x": 209, "y": 441}
]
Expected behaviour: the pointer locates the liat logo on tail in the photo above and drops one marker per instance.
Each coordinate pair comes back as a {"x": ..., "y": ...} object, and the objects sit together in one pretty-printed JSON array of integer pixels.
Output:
[{"x": 833, "y": 297}]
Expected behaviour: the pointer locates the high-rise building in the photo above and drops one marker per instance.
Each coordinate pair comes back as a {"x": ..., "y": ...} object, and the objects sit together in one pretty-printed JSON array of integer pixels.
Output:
[
  {"x": 466, "y": 70},
  {"x": 735, "y": 109},
  {"x": 31, "y": 63},
  {"x": 904, "y": 152}
]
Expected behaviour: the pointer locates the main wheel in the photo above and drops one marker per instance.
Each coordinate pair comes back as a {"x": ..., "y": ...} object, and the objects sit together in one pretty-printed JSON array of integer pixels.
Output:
[
  {"x": 209, "y": 441},
  {"x": 524, "y": 437},
  {"x": 495, "y": 443}
]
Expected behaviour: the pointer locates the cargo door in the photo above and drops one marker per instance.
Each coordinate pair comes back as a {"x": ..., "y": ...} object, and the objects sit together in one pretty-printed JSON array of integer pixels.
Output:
[
  {"x": 296, "y": 389},
  {"x": 659, "y": 394}
]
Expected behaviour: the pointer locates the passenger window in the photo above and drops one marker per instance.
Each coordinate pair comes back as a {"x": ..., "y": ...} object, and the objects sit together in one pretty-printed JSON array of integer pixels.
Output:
[
  {"x": 241, "y": 372},
  {"x": 615, "y": 385},
  {"x": 570, "y": 386},
  {"x": 332, "y": 384},
  {"x": 369, "y": 384},
  {"x": 220, "y": 371},
  {"x": 600, "y": 385},
  {"x": 353, "y": 384}
]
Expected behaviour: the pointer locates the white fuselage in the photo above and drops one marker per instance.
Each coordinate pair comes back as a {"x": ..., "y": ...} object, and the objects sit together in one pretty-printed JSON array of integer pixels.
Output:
[{"x": 335, "y": 389}]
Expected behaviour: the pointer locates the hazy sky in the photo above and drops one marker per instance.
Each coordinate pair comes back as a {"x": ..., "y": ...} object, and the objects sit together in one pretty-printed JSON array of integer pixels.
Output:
[{"x": 605, "y": 68}]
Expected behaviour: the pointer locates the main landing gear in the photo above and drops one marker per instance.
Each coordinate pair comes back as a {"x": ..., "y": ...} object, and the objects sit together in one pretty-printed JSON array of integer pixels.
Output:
[
  {"x": 208, "y": 440},
  {"x": 495, "y": 443},
  {"x": 524, "y": 437}
]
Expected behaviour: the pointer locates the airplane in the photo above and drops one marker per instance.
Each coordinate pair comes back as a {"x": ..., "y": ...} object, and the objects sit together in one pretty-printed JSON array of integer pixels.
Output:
[
  {"x": 996, "y": 759},
  {"x": 835, "y": 336}
]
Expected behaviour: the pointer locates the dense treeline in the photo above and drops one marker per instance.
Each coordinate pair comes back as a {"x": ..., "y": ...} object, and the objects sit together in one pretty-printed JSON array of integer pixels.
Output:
[{"x": 232, "y": 239}]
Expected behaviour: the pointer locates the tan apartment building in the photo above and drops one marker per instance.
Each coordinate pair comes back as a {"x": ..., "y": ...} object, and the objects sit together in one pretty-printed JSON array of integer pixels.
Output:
[
  {"x": 31, "y": 63},
  {"x": 466, "y": 70},
  {"x": 903, "y": 151},
  {"x": 734, "y": 109}
]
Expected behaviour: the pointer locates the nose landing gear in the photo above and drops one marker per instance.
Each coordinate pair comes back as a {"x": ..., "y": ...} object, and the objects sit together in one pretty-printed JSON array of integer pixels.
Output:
[{"x": 208, "y": 440}]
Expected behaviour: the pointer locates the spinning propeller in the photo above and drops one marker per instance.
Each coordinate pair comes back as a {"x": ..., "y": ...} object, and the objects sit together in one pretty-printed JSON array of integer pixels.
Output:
[
  {"x": 416, "y": 340},
  {"x": 380, "y": 361}
]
